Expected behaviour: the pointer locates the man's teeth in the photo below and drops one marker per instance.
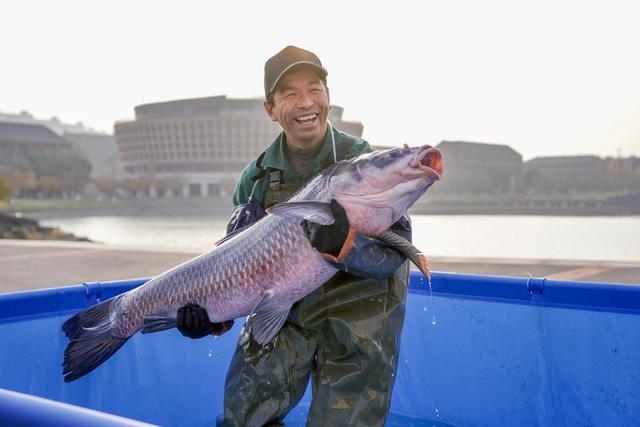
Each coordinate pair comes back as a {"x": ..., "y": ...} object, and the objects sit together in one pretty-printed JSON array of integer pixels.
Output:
[{"x": 306, "y": 118}]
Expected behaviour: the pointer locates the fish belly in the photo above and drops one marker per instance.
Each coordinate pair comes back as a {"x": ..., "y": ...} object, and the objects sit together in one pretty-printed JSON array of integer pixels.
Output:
[{"x": 230, "y": 280}]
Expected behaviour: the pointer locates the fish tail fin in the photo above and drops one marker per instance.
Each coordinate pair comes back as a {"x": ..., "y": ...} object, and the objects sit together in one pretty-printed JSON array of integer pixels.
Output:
[
  {"x": 88, "y": 318},
  {"x": 158, "y": 323},
  {"x": 91, "y": 341}
]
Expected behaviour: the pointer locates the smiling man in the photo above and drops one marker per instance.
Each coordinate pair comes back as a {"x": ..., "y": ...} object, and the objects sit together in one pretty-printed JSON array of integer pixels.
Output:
[
  {"x": 344, "y": 336},
  {"x": 301, "y": 106}
]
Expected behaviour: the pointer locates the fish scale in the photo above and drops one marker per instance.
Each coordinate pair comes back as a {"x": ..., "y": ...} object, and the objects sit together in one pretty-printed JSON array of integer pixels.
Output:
[
  {"x": 252, "y": 262},
  {"x": 266, "y": 268}
]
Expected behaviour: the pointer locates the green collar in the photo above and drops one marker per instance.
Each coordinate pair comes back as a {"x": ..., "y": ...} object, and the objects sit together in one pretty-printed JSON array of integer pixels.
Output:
[{"x": 276, "y": 158}]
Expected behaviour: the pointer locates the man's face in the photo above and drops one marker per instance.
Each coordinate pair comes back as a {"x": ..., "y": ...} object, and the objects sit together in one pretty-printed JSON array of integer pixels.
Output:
[{"x": 301, "y": 106}]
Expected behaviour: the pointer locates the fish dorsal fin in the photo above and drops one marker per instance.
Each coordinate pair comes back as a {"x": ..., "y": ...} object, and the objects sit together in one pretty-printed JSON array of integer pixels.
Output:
[
  {"x": 406, "y": 247},
  {"x": 318, "y": 212},
  {"x": 266, "y": 320}
]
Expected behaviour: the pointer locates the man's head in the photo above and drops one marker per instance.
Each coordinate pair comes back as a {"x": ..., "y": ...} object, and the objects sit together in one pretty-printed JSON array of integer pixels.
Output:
[{"x": 297, "y": 96}]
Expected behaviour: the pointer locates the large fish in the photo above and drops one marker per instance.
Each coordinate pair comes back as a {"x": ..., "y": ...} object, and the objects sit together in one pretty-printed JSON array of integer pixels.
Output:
[{"x": 266, "y": 268}]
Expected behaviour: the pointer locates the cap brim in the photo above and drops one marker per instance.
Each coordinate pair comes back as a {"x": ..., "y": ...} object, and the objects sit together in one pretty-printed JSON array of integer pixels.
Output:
[{"x": 286, "y": 70}]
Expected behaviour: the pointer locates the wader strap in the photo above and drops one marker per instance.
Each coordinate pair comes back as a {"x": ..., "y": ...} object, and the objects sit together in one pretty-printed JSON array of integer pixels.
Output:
[
  {"x": 275, "y": 179},
  {"x": 261, "y": 172},
  {"x": 253, "y": 189},
  {"x": 275, "y": 176},
  {"x": 282, "y": 194}
]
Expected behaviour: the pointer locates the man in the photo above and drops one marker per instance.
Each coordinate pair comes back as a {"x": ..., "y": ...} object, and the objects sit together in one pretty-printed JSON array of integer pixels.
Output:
[{"x": 345, "y": 335}]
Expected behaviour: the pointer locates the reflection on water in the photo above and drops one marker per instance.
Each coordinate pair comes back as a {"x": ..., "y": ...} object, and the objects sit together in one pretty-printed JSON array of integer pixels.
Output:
[
  {"x": 196, "y": 232},
  {"x": 501, "y": 236}
]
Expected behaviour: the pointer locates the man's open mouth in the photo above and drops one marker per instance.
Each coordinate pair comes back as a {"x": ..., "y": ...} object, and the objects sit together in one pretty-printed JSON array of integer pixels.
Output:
[{"x": 307, "y": 118}]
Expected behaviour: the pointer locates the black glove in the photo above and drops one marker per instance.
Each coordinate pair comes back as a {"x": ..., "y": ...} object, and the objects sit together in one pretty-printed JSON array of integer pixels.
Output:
[
  {"x": 328, "y": 238},
  {"x": 193, "y": 322},
  {"x": 372, "y": 258}
]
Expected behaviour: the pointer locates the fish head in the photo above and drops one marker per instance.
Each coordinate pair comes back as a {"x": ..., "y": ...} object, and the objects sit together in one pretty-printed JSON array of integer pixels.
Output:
[{"x": 377, "y": 188}]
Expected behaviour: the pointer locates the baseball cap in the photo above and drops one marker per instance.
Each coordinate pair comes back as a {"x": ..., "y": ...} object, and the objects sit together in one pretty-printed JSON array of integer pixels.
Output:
[{"x": 282, "y": 62}]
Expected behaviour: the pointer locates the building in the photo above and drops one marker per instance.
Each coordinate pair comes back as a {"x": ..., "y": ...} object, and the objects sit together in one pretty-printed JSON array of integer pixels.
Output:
[
  {"x": 100, "y": 150},
  {"x": 586, "y": 173},
  {"x": 97, "y": 147},
  {"x": 472, "y": 167},
  {"x": 17, "y": 140},
  {"x": 622, "y": 174},
  {"x": 561, "y": 174},
  {"x": 53, "y": 123},
  {"x": 203, "y": 143}
]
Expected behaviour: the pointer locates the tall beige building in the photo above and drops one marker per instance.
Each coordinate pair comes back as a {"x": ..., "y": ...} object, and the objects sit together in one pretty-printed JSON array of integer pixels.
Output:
[{"x": 202, "y": 142}]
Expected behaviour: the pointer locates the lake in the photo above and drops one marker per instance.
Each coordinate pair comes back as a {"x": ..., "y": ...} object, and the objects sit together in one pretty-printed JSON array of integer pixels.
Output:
[{"x": 487, "y": 236}]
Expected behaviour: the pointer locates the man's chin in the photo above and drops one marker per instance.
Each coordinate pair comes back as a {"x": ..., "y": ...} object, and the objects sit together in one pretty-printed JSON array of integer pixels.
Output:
[{"x": 307, "y": 135}]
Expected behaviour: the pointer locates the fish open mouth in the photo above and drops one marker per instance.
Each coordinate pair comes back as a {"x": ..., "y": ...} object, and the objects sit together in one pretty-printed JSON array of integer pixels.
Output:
[{"x": 429, "y": 161}]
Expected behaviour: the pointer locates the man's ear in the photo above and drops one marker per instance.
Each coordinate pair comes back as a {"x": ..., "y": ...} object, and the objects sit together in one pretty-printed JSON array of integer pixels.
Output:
[{"x": 269, "y": 109}]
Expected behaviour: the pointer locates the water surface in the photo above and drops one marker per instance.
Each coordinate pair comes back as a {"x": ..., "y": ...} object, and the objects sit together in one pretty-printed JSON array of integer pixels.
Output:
[{"x": 493, "y": 236}]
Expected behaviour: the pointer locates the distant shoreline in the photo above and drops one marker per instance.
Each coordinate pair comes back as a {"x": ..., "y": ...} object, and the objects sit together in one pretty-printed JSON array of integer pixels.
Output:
[
  {"x": 535, "y": 211},
  {"x": 25, "y": 228},
  {"x": 223, "y": 207},
  {"x": 148, "y": 207}
]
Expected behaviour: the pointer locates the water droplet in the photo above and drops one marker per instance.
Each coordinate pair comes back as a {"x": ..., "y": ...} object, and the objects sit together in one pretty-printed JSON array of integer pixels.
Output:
[{"x": 433, "y": 320}]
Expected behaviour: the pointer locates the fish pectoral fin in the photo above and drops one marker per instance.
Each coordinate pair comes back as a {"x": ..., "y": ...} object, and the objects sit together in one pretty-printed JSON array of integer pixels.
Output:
[
  {"x": 158, "y": 323},
  {"x": 265, "y": 325},
  {"x": 313, "y": 211},
  {"x": 266, "y": 319},
  {"x": 406, "y": 247}
]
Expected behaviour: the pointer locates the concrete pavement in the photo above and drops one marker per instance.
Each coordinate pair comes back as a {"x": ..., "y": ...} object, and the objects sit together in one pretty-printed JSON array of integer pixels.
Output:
[{"x": 29, "y": 264}]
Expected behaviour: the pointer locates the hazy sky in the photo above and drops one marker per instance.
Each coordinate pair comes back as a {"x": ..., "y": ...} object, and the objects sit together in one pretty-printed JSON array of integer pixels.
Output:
[{"x": 546, "y": 77}]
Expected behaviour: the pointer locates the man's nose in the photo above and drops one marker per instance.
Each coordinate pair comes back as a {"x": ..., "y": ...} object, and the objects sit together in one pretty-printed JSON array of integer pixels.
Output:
[{"x": 305, "y": 101}]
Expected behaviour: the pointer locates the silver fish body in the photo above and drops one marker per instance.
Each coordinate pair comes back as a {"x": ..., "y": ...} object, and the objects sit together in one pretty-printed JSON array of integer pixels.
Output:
[
  {"x": 264, "y": 270},
  {"x": 230, "y": 280}
]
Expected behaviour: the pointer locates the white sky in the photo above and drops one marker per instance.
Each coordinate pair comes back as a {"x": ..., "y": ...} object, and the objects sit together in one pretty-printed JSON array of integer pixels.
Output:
[{"x": 546, "y": 77}]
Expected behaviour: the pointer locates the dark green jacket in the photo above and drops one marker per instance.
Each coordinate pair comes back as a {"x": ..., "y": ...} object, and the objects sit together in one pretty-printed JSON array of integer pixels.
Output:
[
  {"x": 275, "y": 157},
  {"x": 369, "y": 257}
]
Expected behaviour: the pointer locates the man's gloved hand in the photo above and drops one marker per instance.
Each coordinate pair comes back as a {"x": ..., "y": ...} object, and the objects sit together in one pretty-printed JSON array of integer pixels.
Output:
[
  {"x": 328, "y": 239},
  {"x": 193, "y": 322},
  {"x": 369, "y": 257}
]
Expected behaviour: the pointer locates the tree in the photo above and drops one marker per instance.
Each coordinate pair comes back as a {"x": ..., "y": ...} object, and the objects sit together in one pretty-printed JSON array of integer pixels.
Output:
[
  {"x": 107, "y": 185},
  {"x": 166, "y": 185},
  {"x": 5, "y": 189},
  {"x": 20, "y": 181},
  {"x": 51, "y": 185},
  {"x": 138, "y": 185},
  {"x": 71, "y": 169}
]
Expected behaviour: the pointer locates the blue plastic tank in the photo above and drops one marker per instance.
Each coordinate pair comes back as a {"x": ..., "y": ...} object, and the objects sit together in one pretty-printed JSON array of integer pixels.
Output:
[{"x": 479, "y": 351}]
